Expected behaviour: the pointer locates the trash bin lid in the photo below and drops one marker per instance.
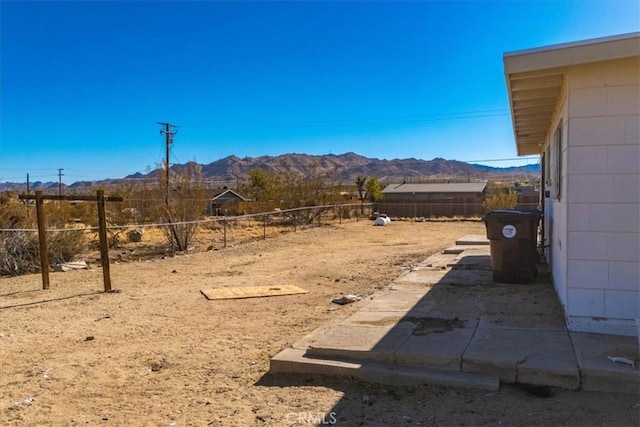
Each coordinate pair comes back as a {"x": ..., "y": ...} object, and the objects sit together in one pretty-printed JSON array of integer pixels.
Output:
[{"x": 512, "y": 213}]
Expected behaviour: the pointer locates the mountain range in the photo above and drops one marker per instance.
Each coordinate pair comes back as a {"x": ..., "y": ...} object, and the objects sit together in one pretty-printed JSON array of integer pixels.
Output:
[{"x": 335, "y": 167}]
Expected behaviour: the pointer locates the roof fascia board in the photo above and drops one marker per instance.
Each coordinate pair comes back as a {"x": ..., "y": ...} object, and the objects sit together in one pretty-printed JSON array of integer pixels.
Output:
[{"x": 594, "y": 50}]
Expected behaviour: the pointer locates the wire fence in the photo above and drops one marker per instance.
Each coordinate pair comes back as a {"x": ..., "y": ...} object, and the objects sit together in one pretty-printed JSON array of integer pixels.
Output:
[{"x": 131, "y": 242}]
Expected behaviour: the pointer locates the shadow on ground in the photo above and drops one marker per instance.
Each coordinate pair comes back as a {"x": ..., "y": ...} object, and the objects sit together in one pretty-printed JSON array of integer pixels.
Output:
[{"x": 446, "y": 322}]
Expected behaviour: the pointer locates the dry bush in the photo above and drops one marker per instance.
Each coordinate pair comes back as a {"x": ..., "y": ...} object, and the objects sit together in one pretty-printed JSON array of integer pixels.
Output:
[
  {"x": 499, "y": 197},
  {"x": 500, "y": 201},
  {"x": 13, "y": 212},
  {"x": 20, "y": 253},
  {"x": 65, "y": 246},
  {"x": 184, "y": 205},
  {"x": 58, "y": 213}
]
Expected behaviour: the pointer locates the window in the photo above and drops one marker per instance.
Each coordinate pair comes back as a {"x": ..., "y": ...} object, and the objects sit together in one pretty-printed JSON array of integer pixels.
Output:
[
  {"x": 546, "y": 169},
  {"x": 557, "y": 157}
]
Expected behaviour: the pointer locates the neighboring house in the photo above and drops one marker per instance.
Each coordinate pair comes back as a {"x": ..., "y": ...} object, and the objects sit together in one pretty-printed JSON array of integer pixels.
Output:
[
  {"x": 224, "y": 202},
  {"x": 433, "y": 200},
  {"x": 528, "y": 196},
  {"x": 578, "y": 105}
]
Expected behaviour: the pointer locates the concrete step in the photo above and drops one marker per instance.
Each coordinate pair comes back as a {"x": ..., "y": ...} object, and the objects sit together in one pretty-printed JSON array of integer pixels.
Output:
[
  {"x": 597, "y": 371},
  {"x": 454, "y": 326},
  {"x": 295, "y": 361},
  {"x": 472, "y": 239}
]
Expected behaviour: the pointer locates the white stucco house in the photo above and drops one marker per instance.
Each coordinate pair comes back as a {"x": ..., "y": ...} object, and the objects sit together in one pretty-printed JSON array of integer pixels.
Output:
[{"x": 578, "y": 106}]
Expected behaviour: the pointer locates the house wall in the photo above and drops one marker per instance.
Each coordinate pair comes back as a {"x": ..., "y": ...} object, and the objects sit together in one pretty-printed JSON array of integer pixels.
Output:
[
  {"x": 598, "y": 222},
  {"x": 555, "y": 206}
]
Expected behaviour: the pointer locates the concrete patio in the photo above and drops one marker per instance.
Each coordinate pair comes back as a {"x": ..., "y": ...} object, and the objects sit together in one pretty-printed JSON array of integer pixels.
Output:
[{"x": 447, "y": 322}]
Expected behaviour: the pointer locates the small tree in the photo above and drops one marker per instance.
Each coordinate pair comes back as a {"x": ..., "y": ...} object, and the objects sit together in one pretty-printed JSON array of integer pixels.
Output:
[
  {"x": 499, "y": 198},
  {"x": 184, "y": 205},
  {"x": 360, "y": 185},
  {"x": 263, "y": 186},
  {"x": 374, "y": 190}
]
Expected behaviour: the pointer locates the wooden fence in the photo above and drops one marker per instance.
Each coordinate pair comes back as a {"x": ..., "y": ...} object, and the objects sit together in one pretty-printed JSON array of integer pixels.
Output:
[{"x": 440, "y": 210}]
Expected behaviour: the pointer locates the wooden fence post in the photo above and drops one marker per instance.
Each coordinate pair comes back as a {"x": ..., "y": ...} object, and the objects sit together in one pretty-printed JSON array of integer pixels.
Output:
[
  {"x": 42, "y": 232},
  {"x": 224, "y": 225},
  {"x": 42, "y": 240},
  {"x": 104, "y": 244}
]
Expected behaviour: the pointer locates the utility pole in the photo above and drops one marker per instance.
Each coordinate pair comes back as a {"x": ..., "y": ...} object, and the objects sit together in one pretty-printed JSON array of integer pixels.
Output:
[
  {"x": 168, "y": 134},
  {"x": 60, "y": 181},
  {"x": 26, "y": 201}
]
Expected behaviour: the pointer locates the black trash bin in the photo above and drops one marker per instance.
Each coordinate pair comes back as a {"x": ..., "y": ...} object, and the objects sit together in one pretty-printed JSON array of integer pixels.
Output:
[{"x": 513, "y": 238}]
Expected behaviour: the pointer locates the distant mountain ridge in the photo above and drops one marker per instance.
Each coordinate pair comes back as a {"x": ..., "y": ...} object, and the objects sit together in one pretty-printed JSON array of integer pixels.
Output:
[
  {"x": 336, "y": 167},
  {"x": 346, "y": 167}
]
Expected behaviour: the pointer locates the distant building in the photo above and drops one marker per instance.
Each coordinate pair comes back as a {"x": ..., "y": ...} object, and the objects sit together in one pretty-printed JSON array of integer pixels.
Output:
[
  {"x": 433, "y": 200},
  {"x": 225, "y": 201},
  {"x": 528, "y": 196}
]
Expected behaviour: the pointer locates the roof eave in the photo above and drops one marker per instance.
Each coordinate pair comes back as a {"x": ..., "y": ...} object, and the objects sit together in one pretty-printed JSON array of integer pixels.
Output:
[
  {"x": 533, "y": 69},
  {"x": 582, "y": 52}
]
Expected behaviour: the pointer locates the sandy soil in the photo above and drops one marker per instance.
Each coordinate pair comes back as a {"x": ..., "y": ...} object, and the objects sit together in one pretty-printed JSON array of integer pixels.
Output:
[{"x": 160, "y": 354}]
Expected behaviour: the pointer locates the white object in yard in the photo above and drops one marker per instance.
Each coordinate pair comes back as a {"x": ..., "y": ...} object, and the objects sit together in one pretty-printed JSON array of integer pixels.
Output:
[
  {"x": 618, "y": 359},
  {"x": 77, "y": 265},
  {"x": 382, "y": 220}
]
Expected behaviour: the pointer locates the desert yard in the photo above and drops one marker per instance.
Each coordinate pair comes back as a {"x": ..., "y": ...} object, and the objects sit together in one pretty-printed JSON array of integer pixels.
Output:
[{"x": 158, "y": 353}]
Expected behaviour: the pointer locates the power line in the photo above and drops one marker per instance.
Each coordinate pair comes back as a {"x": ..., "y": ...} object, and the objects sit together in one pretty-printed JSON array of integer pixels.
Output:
[
  {"x": 500, "y": 160},
  {"x": 347, "y": 122}
]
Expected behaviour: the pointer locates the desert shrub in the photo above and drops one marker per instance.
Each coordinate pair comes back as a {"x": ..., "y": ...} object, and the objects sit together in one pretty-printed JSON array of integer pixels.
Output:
[
  {"x": 20, "y": 253},
  {"x": 58, "y": 213},
  {"x": 13, "y": 212},
  {"x": 344, "y": 212},
  {"x": 65, "y": 246},
  {"x": 85, "y": 213},
  {"x": 500, "y": 200}
]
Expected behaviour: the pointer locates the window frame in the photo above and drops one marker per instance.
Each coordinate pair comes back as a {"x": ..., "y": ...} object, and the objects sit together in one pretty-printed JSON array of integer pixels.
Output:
[{"x": 557, "y": 157}]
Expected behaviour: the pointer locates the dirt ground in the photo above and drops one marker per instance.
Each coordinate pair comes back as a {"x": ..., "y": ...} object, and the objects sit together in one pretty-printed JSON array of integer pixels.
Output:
[{"x": 158, "y": 353}]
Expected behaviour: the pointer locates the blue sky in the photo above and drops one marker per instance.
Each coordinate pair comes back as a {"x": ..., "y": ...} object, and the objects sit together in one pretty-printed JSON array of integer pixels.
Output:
[{"x": 84, "y": 83}]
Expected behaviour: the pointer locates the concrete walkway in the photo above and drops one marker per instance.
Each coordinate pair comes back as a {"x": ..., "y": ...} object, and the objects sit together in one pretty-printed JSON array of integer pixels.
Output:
[{"x": 447, "y": 322}]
